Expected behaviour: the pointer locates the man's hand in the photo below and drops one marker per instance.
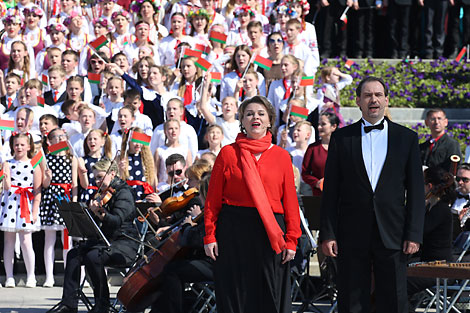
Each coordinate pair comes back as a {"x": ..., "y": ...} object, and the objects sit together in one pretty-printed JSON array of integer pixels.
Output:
[
  {"x": 410, "y": 247},
  {"x": 330, "y": 248}
]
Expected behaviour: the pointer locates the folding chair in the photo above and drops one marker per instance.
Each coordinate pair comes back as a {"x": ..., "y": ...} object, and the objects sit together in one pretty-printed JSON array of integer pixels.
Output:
[{"x": 205, "y": 297}]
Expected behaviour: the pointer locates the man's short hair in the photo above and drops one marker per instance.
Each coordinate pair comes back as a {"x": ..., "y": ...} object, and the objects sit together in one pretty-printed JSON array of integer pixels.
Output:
[
  {"x": 464, "y": 166},
  {"x": 294, "y": 22},
  {"x": 174, "y": 158},
  {"x": 368, "y": 80},
  {"x": 435, "y": 110},
  {"x": 132, "y": 94},
  {"x": 254, "y": 24},
  {"x": 72, "y": 53}
]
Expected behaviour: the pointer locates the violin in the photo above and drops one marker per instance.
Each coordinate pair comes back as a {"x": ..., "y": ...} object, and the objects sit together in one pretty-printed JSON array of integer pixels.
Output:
[
  {"x": 173, "y": 204},
  {"x": 104, "y": 196}
]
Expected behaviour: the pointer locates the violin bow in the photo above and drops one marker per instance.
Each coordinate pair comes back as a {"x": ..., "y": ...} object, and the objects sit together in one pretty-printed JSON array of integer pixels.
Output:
[{"x": 107, "y": 172}]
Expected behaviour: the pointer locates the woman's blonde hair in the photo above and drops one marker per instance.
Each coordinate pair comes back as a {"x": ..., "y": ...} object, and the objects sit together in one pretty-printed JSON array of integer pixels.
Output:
[
  {"x": 104, "y": 164},
  {"x": 146, "y": 155},
  {"x": 26, "y": 63},
  {"x": 108, "y": 144},
  {"x": 197, "y": 80}
]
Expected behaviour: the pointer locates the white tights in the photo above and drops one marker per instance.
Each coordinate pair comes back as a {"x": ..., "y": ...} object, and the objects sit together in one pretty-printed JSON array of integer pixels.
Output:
[
  {"x": 49, "y": 243},
  {"x": 26, "y": 243}
]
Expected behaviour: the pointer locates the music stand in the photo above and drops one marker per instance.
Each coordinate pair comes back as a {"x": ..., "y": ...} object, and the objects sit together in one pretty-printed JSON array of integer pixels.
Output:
[{"x": 79, "y": 221}]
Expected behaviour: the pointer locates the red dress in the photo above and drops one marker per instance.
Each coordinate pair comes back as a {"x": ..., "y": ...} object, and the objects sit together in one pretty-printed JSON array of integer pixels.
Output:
[{"x": 313, "y": 166}]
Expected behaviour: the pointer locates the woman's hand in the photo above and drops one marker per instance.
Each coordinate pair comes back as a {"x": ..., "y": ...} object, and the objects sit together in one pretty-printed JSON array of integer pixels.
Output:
[
  {"x": 194, "y": 211},
  {"x": 212, "y": 250},
  {"x": 287, "y": 255},
  {"x": 154, "y": 198}
]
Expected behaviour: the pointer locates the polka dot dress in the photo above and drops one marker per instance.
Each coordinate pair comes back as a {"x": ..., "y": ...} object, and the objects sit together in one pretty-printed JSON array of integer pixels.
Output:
[
  {"x": 136, "y": 172},
  {"x": 87, "y": 194},
  {"x": 10, "y": 219},
  {"x": 61, "y": 167}
]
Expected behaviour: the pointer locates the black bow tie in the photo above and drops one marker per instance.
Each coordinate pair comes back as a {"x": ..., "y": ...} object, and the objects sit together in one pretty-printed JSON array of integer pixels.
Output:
[
  {"x": 466, "y": 197},
  {"x": 368, "y": 129}
]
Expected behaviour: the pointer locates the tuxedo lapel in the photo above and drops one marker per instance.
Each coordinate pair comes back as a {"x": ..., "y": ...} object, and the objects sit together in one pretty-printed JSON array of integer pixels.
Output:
[
  {"x": 392, "y": 141},
  {"x": 358, "y": 160}
]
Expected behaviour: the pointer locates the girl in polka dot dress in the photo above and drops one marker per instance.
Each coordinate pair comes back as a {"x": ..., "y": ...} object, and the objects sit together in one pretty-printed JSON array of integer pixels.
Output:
[
  {"x": 20, "y": 206},
  {"x": 60, "y": 178},
  {"x": 137, "y": 165},
  {"x": 95, "y": 142}
]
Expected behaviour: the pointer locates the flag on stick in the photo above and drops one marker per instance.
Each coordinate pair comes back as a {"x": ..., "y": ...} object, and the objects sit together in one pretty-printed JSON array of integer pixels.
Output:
[
  {"x": 41, "y": 101},
  {"x": 218, "y": 37},
  {"x": 299, "y": 111},
  {"x": 7, "y": 125},
  {"x": 192, "y": 53},
  {"x": 461, "y": 54},
  {"x": 94, "y": 78},
  {"x": 306, "y": 81},
  {"x": 37, "y": 159},
  {"x": 203, "y": 64},
  {"x": 216, "y": 77},
  {"x": 2, "y": 175},
  {"x": 58, "y": 147},
  {"x": 348, "y": 64},
  {"x": 263, "y": 62},
  {"x": 141, "y": 138},
  {"x": 99, "y": 42},
  {"x": 202, "y": 48},
  {"x": 45, "y": 80}
]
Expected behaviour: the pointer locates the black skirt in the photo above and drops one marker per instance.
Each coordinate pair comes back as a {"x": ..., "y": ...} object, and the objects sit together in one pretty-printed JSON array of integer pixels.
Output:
[{"x": 249, "y": 276}]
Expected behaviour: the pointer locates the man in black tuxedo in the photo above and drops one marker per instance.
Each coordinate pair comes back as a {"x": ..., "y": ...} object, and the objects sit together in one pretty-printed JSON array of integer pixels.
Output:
[{"x": 372, "y": 211}]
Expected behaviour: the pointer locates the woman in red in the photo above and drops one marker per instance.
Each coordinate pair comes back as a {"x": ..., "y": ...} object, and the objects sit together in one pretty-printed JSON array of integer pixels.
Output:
[
  {"x": 252, "y": 217},
  {"x": 313, "y": 165}
]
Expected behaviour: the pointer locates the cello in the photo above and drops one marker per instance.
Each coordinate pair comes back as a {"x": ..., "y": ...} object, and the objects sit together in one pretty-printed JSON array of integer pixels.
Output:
[{"x": 144, "y": 278}]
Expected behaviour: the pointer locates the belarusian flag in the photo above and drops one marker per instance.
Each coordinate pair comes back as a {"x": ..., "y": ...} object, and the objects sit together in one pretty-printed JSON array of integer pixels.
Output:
[
  {"x": 263, "y": 62},
  {"x": 191, "y": 53},
  {"x": 218, "y": 37},
  {"x": 41, "y": 101},
  {"x": 203, "y": 64},
  {"x": 202, "y": 48},
  {"x": 216, "y": 77},
  {"x": 45, "y": 79},
  {"x": 94, "y": 78},
  {"x": 36, "y": 160},
  {"x": 58, "y": 147},
  {"x": 461, "y": 54},
  {"x": 306, "y": 81},
  {"x": 348, "y": 64},
  {"x": 99, "y": 42},
  {"x": 2, "y": 174},
  {"x": 141, "y": 138},
  {"x": 299, "y": 111},
  {"x": 7, "y": 125}
]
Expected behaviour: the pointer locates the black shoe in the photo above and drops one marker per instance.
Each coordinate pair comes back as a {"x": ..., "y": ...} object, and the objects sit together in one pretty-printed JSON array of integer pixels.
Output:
[
  {"x": 62, "y": 308},
  {"x": 100, "y": 308}
]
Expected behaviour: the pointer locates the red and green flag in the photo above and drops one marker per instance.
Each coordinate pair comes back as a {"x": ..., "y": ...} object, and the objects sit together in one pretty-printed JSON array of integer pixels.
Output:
[
  {"x": 218, "y": 37},
  {"x": 58, "y": 147},
  {"x": 306, "y": 81},
  {"x": 99, "y": 42},
  {"x": 348, "y": 64},
  {"x": 2, "y": 175},
  {"x": 216, "y": 77},
  {"x": 94, "y": 78},
  {"x": 191, "y": 53},
  {"x": 461, "y": 54},
  {"x": 7, "y": 125},
  {"x": 263, "y": 62},
  {"x": 141, "y": 138},
  {"x": 202, "y": 48},
  {"x": 299, "y": 111},
  {"x": 203, "y": 64},
  {"x": 37, "y": 159},
  {"x": 41, "y": 101},
  {"x": 45, "y": 79}
]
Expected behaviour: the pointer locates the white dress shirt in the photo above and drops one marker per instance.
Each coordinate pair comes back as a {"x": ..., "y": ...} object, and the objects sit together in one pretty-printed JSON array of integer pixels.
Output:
[
  {"x": 458, "y": 205},
  {"x": 374, "y": 150}
]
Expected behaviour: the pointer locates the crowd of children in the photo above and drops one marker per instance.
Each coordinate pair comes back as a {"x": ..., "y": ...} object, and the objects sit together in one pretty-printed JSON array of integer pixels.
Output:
[{"x": 90, "y": 78}]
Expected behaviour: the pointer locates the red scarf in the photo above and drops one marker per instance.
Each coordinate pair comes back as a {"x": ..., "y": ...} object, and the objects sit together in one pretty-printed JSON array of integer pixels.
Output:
[
  {"x": 147, "y": 188},
  {"x": 248, "y": 147},
  {"x": 287, "y": 88}
]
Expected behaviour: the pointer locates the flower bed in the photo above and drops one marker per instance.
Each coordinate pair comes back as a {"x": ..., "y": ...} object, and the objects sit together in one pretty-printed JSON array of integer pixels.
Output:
[
  {"x": 414, "y": 84},
  {"x": 458, "y": 131}
]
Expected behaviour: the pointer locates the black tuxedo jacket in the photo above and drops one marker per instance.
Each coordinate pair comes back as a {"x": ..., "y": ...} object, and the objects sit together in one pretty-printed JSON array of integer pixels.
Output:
[
  {"x": 442, "y": 150},
  {"x": 349, "y": 205}
]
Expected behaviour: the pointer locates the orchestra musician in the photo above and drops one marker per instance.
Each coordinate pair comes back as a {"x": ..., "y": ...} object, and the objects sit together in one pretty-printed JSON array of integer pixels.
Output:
[
  {"x": 372, "y": 208},
  {"x": 463, "y": 200},
  {"x": 116, "y": 218},
  {"x": 440, "y": 192}
]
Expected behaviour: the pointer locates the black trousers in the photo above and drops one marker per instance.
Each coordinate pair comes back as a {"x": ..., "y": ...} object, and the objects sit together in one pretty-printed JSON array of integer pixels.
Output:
[
  {"x": 363, "y": 34},
  {"x": 249, "y": 276},
  {"x": 434, "y": 19},
  {"x": 333, "y": 33},
  {"x": 175, "y": 275},
  {"x": 95, "y": 258},
  {"x": 457, "y": 39},
  {"x": 399, "y": 21},
  {"x": 357, "y": 264}
]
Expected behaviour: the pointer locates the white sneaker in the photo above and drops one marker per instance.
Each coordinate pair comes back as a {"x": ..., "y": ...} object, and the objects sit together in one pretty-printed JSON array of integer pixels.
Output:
[
  {"x": 10, "y": 282},
  {"x": 31, "y": 283},
  {"x": 49, "y": 283}
]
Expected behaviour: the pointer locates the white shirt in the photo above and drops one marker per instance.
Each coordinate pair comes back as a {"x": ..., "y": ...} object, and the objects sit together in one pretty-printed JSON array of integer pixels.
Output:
[
  {"x": 458, "y": 205},
  {"x": 188, "y": 137},
  {"x": 374, "y": 151}
]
